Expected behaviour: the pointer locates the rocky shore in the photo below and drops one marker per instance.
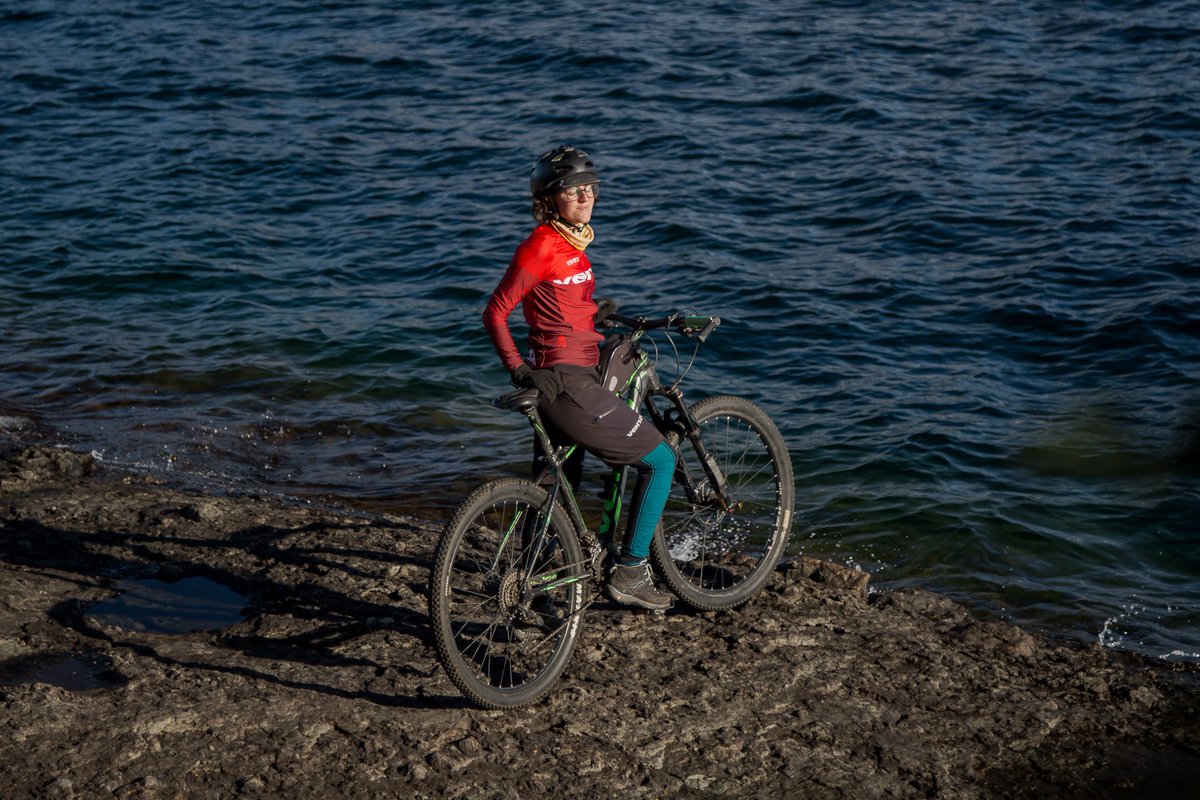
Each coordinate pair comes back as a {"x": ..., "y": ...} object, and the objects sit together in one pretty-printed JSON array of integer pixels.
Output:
[{"x": 325, "y": 683}]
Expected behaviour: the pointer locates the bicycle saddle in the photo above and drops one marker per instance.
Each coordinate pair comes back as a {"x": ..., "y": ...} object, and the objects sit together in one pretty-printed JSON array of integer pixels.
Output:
[{"x": 521, "y": 400}]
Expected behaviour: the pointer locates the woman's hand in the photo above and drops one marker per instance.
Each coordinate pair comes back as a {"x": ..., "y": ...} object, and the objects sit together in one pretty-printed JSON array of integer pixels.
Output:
[
  {"x": 545, "y": 381},
  {"x": 605, "y": 308}
]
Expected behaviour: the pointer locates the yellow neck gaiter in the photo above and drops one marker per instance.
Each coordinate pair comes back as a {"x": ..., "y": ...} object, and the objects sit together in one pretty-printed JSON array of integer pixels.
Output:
[{"x": 579, "y": 237}]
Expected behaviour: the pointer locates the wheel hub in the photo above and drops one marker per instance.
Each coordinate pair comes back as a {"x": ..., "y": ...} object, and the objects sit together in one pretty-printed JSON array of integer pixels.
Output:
[{"x": 508, "y": 594}]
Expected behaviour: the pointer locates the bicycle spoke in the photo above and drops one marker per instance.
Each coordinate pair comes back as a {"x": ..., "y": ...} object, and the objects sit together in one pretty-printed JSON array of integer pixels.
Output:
[
  {"x": 508, "y": 590},
  {"x": 714, "y": 542}
]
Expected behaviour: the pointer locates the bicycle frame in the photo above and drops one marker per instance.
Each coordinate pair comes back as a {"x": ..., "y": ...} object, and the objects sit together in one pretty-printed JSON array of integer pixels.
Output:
[
  {"x": 675, "y": 423},
  {"x": 517, "y": 564}
]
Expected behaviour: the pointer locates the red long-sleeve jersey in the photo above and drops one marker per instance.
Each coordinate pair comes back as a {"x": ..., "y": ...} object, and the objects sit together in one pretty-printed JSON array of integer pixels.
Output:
[{"x": 553, "y": 282}]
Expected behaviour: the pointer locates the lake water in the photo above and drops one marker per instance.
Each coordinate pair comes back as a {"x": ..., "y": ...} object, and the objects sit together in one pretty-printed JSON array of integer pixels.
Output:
[{"x": 246, "y": 245}]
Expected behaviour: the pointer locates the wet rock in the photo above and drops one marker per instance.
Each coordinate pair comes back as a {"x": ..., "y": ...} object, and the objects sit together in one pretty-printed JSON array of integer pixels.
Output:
[
  {"x": 926, "y": 605},
  {"x": 997, "y": 635},
  {"x": 835, "y": 576},
  {"x": 1145, "y": 697},
  {"x": 328, "y": 685},
  {"x": 39, "y": 464}
]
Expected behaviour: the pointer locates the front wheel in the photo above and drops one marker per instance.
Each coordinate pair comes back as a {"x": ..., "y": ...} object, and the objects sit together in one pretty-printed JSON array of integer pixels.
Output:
[
  {"x": 716, "y": 547},
  {"x": 506, "y": 594}
]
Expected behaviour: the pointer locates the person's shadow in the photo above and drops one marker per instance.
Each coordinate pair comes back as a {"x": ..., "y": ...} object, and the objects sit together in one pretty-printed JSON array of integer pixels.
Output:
[{"x": 321, "y": 620}]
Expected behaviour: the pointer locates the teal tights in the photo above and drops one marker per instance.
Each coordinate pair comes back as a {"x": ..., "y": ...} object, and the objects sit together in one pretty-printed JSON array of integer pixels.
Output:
[{"x": 655, "y": 471}]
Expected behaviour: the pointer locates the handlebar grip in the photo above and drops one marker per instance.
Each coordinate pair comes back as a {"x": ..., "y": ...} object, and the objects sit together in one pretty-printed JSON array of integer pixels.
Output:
[
  {"x": 709, "y": 328},
  {"x": 700, "y": 327}
]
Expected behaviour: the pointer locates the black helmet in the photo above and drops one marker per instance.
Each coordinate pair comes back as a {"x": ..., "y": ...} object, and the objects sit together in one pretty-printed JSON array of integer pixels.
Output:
[{"x": 559, "y": 168}]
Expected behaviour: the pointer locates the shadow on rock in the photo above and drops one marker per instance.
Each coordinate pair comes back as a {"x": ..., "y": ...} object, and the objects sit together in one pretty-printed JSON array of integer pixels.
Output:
[{"x": 333, "y": 605}]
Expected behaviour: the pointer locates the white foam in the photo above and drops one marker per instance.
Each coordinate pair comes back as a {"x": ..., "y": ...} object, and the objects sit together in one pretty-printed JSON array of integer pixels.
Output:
[
  {"x": 1114, "y": 632},
  {"x": 1109, "y": 635}
]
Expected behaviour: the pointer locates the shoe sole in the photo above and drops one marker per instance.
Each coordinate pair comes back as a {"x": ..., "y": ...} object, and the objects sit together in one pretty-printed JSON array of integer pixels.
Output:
[{"x": 631, "y": 600}]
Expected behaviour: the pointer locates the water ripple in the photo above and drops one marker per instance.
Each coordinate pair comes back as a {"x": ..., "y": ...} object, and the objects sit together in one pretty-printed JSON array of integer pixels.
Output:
[{"x": 954, "y": 247}]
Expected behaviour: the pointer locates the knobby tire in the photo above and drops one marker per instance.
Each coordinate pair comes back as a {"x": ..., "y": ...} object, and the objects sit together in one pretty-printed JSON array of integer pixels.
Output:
[
  {"x": 506, "y": 618},
  {"x": 713, "y": 558}
]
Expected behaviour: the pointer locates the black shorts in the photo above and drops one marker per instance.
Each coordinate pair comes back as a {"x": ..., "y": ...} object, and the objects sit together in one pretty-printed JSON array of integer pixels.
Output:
[{"x": 589, "y": 415}]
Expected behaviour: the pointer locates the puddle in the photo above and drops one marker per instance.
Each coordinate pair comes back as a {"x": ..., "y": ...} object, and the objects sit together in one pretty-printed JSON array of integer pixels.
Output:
[
  {"x": 76, "y": 672},
  {"x": 184, "y": 606}
]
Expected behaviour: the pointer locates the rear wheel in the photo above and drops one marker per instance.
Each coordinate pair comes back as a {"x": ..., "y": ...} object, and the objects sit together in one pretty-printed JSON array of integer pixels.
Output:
[
  {"x": 714, "y": 548},
  {"x": 506, "y": 594}
]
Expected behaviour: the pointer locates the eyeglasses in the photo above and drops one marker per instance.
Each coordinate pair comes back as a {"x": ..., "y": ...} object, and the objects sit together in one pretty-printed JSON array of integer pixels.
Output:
[{"x": 591, "y": 190}]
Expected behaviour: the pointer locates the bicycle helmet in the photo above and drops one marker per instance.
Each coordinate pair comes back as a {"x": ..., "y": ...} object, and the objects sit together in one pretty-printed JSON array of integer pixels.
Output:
[{"x": 559, "y": 168}]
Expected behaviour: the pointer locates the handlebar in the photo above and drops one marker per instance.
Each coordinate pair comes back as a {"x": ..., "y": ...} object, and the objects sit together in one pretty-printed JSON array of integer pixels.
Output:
[{"x": 689, "y": 325}]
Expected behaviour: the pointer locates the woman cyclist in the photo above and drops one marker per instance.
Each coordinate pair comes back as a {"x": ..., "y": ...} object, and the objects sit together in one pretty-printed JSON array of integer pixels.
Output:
[{"x": 553, "y": 281}]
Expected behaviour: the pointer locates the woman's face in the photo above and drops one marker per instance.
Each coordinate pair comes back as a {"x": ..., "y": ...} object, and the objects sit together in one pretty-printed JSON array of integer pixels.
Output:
[{"x": 575, "y": 203}]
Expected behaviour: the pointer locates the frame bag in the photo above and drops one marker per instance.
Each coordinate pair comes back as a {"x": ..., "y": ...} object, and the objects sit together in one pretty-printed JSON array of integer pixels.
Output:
[{"x": 620, "y": 360}]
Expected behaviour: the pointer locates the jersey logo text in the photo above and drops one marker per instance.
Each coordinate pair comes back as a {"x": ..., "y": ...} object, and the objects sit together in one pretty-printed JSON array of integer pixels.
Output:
[{"x": 579, "y": 277}]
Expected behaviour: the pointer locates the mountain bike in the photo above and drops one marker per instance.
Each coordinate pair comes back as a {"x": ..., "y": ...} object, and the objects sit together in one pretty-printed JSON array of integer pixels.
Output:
[{"x": 517, "y": 565}]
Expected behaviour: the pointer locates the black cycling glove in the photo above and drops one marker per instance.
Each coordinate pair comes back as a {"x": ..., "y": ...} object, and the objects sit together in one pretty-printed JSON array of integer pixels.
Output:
[
  {"x": 545, "y": 381},
  {"x": 605, "y": 308}
]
